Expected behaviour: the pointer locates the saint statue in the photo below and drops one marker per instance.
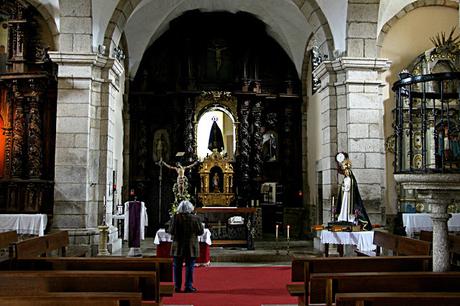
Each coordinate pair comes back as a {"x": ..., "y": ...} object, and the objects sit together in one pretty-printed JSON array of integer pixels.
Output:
[
  {"x": 215, "y": 182},
  {"x": 216, "y": 141},
  {"x": 349, "y": 202}
]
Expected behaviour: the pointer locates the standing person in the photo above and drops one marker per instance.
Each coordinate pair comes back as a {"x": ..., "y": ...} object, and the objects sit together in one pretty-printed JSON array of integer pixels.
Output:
[{"x": 185, "y": 228}]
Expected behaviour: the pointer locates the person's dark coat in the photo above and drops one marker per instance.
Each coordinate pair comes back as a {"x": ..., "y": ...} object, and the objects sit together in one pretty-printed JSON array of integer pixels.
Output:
[{"x": 185, "y": 229}]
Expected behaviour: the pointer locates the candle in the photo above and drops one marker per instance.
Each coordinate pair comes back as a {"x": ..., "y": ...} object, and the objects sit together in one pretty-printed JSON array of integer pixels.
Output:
[
  {"x": 276, "y": 231},
  {"x": 288, "y": 231},
  {"x": 257, "y": 203},
  {"x": 252, "y": 203}
]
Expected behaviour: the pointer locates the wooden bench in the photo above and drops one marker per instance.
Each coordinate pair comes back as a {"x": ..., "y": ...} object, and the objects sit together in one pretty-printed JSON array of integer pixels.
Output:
[
  {"x": 302, "y": 268},
  {"x": 74, "y": 299},
  {"x": 57, "y": 243},
  {"x": 386, "y": 282},
  {"x": 6, "y": 239},
  {"x": 410, "y": 246},
  {"x": 43, "y": 282},
  {"x": 29, "y": 248},
  {"x": 398, "y": 298},
  {"x": 398, "y": 245},
  {"x": 382, "y": 240},
  {"x": 162, "y": 267}
]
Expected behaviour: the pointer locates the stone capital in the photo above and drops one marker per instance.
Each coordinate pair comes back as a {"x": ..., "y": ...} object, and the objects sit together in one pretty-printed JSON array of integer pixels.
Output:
[{"x": 351, "y": 63}]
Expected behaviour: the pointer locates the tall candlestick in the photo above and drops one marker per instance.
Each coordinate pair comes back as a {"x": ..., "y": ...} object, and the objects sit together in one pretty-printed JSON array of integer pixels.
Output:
[
  {"x": 288, "y": 231},
  {"x": 276, "y": 231}
]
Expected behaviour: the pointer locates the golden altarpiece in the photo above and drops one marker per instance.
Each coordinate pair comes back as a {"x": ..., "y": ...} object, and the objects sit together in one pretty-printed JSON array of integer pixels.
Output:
[{"x": 216, "y": 177}]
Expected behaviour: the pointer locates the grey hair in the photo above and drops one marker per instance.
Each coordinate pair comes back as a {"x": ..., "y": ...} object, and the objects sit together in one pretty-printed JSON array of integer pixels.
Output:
[{"x": 185, "y": 207}]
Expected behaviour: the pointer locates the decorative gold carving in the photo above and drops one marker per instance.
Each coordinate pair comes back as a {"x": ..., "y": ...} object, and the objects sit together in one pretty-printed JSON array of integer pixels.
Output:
[
  {"x": 208, "y": 99},
  {"x": 221, "y": 193}
]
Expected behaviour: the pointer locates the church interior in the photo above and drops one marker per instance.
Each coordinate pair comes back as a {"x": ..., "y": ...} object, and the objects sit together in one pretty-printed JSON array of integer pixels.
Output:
[{"x": 301, "y": 120}]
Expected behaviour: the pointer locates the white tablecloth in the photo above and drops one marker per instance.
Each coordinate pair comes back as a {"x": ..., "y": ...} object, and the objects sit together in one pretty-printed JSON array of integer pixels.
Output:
[
  {"x": 422, "y": 222},
  {"x": 163, "y": 236},
  {"x": 362, "y": 240},
  {"x": 31, "y": 224}
]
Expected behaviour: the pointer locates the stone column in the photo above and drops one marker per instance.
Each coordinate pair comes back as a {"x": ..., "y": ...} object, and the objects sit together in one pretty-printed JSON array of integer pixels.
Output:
[
  {"x": 439, "y": 200},
  {"x": 352, "y": 112},
  {"x": 437, "y": 190}
]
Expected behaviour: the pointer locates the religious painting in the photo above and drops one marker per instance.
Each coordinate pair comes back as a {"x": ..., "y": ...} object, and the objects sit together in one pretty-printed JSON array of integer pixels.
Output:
[
  {"x": 161, "y": 150},
  {"x": 270, "y": 146}
]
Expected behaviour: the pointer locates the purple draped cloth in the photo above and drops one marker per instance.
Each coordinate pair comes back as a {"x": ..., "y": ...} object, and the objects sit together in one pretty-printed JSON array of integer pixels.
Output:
[{"x": 134, "y": 237}]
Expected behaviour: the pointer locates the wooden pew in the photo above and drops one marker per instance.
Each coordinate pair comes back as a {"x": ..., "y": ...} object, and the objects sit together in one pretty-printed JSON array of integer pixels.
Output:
[
  {"x": 409, "y": 246},
  {"x": 162, "y": 267},
  {"x": 399, "y": 245},
  {"x": 42, "y": 282},
  {"x": 6, "y": 239},
  {"x": 382, "y": 240},
  {"x": 398, "y": 298},
  {"x": 29, "y": 248},
  {"x": 387, "y": 282},
  {"x": 74, "y": 299},
  {"x": 57, "y": 243},
  {"x": 302, "y": 268}
]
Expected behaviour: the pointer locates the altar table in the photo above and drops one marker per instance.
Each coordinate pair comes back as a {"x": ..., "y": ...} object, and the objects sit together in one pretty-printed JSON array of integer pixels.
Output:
[
  {"x": 422, "y": 222},
  {"x": 30, "y": 224},
  {"x": 163, "y": 241},
  {"x": 362, "y": 240}
]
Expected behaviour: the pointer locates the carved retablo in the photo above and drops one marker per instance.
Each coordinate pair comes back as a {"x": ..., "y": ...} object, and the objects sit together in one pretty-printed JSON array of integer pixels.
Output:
[{"x": 216, "y": 181}]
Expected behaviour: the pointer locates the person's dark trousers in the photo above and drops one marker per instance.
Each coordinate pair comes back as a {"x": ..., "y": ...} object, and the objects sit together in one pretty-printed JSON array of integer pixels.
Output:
[{"x": 189, "y": 267}]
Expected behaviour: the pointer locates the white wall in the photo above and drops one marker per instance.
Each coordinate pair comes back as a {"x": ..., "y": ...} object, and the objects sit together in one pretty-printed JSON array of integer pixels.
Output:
[
  {"x": 102, "y": 11},
  {"x": 336, "y": 15}
]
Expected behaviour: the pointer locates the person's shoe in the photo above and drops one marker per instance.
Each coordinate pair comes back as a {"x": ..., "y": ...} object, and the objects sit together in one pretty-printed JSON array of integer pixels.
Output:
[
  {"x": 177, "y": 290},
  {"x": 190, "y": 290}
]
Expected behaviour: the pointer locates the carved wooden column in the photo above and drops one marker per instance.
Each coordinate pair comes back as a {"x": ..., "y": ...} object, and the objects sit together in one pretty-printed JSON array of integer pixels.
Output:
[
  {"x": 189, "y": 132},
  {"x": 244, "y": 150},
  {"x": 8, "y": 132},
  {"x": 17, "y": 165},
  {"x": 257, "y": 145},
  {"x": 35, "y": 148}
]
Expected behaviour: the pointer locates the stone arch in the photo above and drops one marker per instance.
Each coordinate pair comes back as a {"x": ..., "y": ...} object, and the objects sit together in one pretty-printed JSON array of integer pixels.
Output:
[
  {"x": 412, "y": 6},
  {"x": 49, "y": 20},
  {"x": 321, "y": 30},
  {"x": 117, "y": 22}
]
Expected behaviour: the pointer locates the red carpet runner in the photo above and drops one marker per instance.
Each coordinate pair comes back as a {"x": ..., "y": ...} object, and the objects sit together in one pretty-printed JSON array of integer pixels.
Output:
[{"x": 237, "y": 286}]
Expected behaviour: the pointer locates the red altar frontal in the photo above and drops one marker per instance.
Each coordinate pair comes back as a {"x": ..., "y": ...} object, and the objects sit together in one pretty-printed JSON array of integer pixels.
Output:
[{"x": 163, "y": 243}]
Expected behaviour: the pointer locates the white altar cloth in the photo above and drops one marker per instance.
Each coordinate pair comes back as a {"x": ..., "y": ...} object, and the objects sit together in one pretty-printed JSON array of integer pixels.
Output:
[
  {"x": 362, "y": 240},
  {"x": 422, "y": 222},
  {"x": 31, "y": 224},
  {"x": 163, "y": 236}
]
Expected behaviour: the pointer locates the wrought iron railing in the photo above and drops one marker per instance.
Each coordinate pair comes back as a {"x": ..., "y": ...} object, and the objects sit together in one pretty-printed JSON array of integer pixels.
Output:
[{"x": 426, "y": 123}]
